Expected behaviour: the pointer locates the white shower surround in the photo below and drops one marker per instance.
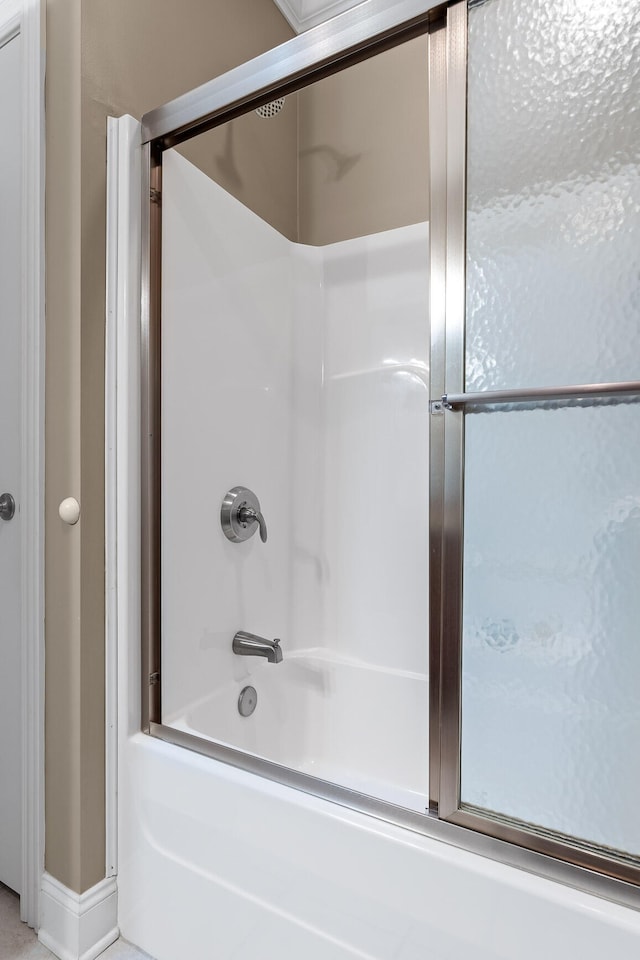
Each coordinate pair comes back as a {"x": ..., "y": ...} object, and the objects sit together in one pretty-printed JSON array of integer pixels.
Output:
[
  {"x": 300, "y": 372},
  {"x": 215, "y": 861}
]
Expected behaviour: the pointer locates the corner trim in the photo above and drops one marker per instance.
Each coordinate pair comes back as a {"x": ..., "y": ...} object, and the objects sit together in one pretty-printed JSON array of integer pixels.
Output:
[
  {"x": 124, "y": 207},
  {"x": 78, "y": 926},
  {"x": 111, "y": 504},
  {"x": 317, "y": 11}
]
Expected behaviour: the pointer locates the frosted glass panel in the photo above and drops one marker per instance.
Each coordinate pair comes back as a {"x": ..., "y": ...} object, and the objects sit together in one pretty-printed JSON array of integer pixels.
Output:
[
  {"x": 551, "y": 639},
  {"x": 553, "y": 269}
]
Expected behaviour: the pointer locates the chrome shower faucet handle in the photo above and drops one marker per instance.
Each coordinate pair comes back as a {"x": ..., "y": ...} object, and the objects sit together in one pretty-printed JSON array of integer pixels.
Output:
[
  {"x": 249, "y": 515},
  {"x": 241, "y": 516}
]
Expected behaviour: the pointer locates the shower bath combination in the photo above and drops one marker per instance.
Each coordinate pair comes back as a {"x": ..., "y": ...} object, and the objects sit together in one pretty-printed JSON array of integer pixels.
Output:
[{"x": 365, "y": 744}]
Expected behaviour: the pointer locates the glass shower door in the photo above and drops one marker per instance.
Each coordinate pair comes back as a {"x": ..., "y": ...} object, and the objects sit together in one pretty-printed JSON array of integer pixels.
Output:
[
  {"x": 549, "y": 498},
  {"x": 551, "y": 614}
]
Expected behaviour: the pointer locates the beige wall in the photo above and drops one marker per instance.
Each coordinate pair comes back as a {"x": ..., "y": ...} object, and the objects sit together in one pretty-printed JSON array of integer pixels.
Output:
[
  {"x": 104, "y": 57},
  {"x": 363, "y": 144},
  {"x": 136, "y": 56},
  {"x": 347, "y": 156},
  {"x": 256, "y": 160},
  {"x": 63, "y": 701}
]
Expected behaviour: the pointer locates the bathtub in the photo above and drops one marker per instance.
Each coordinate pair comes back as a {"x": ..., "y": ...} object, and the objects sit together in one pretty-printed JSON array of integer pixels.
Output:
[
  {"x": 335, "y": 718},
  {"x": 217, "y": 863}
]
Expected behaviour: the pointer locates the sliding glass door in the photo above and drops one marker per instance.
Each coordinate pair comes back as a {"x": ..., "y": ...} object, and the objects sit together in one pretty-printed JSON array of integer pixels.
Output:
[{"x": 537, "y": 435}]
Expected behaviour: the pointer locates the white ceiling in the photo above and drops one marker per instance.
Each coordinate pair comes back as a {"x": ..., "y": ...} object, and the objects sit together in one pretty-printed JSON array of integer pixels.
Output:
[{"x": 303, "y": 14}]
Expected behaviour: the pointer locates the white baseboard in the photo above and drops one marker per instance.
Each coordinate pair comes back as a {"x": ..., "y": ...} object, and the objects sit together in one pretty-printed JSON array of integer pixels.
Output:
[{"x": 78, "y": 926}]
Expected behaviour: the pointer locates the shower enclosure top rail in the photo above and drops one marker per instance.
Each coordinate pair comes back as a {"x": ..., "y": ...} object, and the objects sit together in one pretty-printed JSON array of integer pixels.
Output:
[
  {"x": 325, "y": 49},
  {"x": 579, "y": 391}
]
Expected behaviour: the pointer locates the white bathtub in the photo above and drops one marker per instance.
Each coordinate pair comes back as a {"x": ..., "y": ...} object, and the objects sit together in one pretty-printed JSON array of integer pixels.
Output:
[
  {"x": 218, "y": 864},
  {"x": 338, "y": 719}
]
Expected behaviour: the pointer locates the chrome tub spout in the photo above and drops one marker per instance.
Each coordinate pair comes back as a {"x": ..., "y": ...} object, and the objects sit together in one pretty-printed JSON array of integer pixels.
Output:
[{"x": 250, "y": 645}]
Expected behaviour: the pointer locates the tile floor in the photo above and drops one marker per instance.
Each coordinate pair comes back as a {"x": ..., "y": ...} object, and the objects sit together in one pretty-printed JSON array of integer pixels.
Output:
[{"x": 19, "y": 942}]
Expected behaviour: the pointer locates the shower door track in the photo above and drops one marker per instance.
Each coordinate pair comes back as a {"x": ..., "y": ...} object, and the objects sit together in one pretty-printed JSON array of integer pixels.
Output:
[
  {"x": 325, "y": 50},
  {"x": 428, "y": 824}
]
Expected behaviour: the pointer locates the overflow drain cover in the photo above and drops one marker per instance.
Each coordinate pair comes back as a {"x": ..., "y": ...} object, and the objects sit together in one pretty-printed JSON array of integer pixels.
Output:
[{"x": 247, "y": 701}]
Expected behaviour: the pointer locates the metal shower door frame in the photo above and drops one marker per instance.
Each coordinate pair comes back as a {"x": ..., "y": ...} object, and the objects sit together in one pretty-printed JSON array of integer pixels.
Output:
[
  {"x": 348, "y": 39},
  {"x": 448, "y": 114}
]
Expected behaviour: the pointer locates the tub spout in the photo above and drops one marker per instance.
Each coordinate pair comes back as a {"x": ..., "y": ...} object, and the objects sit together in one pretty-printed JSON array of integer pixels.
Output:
[{"x": 251, "y": 645}]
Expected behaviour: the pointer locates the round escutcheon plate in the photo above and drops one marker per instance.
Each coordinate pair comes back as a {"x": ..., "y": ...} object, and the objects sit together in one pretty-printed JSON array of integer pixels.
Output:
[{"x": 247, "y": 701}]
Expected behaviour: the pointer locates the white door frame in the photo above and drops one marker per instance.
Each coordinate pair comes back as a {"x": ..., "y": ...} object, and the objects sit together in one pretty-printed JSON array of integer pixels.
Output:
[{"x": 26, "y": 18}]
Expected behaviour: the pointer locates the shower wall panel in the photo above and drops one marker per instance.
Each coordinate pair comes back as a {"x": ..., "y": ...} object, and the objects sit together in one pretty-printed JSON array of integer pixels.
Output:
[
  {"x": 226, "y": 421},
  {"x": 301, "y": 373},
  {"x": 376, "y": 434},
  {"x": 360, "y": 449},
  {"x": 360, "y": 494}
]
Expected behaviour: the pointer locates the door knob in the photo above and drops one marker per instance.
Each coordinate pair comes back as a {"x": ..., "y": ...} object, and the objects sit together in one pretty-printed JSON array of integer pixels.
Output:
[{"x": 7, "y": 506}]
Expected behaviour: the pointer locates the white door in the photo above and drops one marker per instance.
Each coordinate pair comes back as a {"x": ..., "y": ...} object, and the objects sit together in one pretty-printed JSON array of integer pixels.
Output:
[{"x": 10, "y": 433}]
